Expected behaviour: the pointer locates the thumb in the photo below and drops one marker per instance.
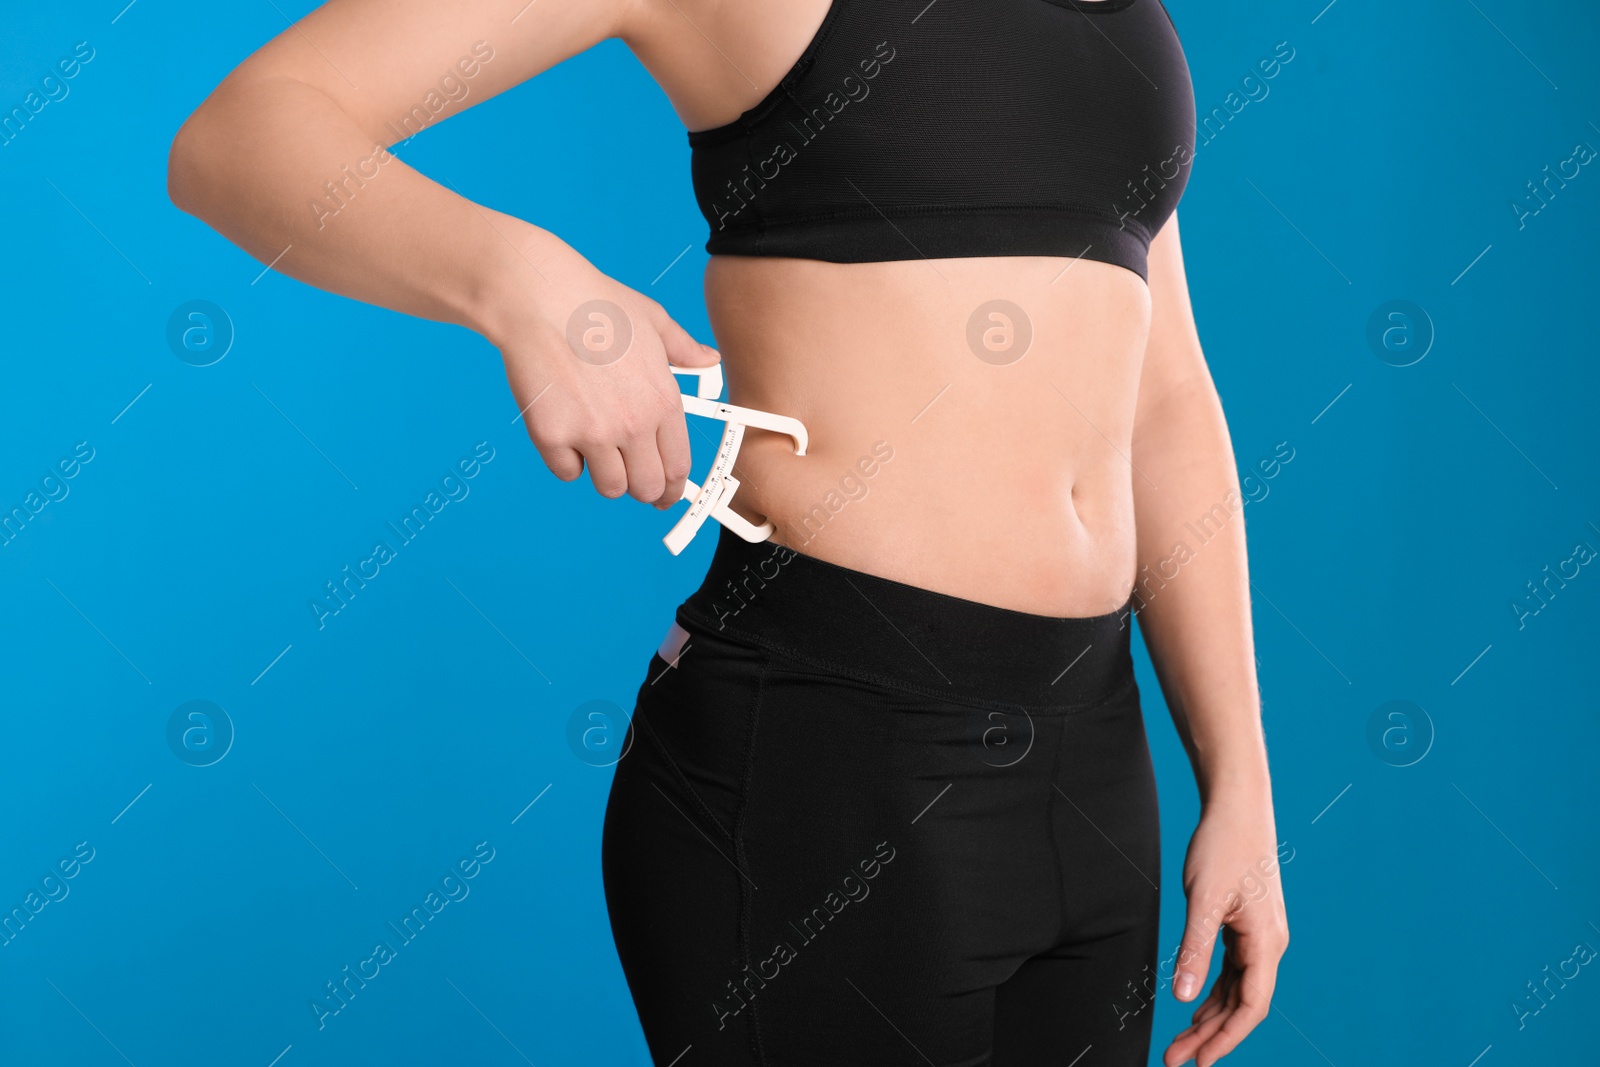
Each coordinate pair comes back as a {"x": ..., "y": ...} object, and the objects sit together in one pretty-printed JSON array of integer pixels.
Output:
[
  {"x": 683, "y": 350},
  {"x": 1194, "y": 955}
]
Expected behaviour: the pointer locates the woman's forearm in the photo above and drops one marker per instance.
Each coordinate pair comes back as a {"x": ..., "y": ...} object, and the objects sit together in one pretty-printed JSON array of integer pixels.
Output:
[
  {"x": 1192, "y": 586},
  {"x": 277, "y": 167},
  {"x": 280, "y": 167}
]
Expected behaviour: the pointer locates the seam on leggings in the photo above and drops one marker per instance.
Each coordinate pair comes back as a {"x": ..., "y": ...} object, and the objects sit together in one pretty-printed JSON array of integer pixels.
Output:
[
  {"x": 746, "y": 637},
  {"x": 693, "y": 796},
  {"x": 745, "y": 955},
  {"x": 1055, "y": 848}
]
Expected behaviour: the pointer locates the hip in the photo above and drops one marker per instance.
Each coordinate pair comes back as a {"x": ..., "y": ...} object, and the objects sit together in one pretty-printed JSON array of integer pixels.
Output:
[{"x": 808, "y": 709}]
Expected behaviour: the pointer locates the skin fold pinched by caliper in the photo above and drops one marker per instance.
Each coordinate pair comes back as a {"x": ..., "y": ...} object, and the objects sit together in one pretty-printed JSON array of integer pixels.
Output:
[{"x": 712, "y": 497}]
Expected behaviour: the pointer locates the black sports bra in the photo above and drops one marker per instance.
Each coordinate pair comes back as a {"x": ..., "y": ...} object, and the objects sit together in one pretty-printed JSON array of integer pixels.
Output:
[{"x": 909, "y": 129}]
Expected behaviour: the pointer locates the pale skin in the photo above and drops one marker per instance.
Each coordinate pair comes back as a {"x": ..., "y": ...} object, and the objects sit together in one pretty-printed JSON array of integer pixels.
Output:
[{"x": 1053, "y": 484}]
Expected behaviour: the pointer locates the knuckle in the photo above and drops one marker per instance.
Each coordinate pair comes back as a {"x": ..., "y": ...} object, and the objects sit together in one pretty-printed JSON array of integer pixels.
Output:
[
  {"x": 538, "y": 430},
  {"x": 550, "y": 433},
  {"x": 548, "y": 441},
  {"x": 592, "y": 439},
  {"x": 634, "y": 423},
  {"x": 668, "y": 405}
]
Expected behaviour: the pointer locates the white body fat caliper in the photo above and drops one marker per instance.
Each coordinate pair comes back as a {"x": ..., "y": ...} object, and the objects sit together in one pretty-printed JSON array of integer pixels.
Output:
[{"x": 711, "y": 498}]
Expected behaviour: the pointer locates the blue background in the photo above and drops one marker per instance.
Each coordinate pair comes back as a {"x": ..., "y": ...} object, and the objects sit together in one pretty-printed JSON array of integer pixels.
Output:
[{"x": 371, "y": 755}]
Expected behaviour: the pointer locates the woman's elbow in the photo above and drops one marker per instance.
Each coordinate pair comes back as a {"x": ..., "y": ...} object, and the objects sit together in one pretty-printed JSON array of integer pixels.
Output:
[
  {"x": 200, "y": 147},
  {"x": 185, "y": 162}
]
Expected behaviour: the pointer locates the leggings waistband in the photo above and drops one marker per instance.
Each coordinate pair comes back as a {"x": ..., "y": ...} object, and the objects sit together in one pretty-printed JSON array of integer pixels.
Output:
[{"x": 906, "y": 637}]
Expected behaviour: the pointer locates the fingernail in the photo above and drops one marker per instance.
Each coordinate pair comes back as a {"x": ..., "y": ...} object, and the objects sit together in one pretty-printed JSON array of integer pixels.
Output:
[{"x": 1186, "y": 984}]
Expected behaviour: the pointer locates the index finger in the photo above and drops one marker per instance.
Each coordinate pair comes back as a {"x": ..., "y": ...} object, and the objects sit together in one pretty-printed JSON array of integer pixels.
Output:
[
  {"x": 1257, "y": 963},
  {"x": 672, "y": 441}
]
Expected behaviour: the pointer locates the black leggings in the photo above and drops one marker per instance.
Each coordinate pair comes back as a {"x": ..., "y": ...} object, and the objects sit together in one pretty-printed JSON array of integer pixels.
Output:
[{"x": 864, "y": 823}]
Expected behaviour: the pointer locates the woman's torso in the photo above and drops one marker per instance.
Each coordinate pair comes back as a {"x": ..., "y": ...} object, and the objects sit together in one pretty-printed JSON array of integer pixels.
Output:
[{"x": 970, "y": 416}]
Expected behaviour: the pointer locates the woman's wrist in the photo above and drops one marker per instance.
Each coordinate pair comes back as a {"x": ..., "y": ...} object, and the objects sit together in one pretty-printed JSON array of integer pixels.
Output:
[
  {"x": 1238, "y": 780},
  {"x": 520, "y": 273}
]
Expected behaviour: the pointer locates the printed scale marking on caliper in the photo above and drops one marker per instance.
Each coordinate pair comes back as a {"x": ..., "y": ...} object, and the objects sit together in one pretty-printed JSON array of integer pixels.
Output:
[{"x": 711, "y": 499}]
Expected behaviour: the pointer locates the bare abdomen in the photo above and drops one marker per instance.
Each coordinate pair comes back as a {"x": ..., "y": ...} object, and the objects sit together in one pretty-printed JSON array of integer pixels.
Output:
[{"x": 970, "y": 419}]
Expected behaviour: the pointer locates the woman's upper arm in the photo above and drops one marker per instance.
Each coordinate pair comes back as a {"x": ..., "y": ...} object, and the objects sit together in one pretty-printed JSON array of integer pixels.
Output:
[
  {"x": 1173, "y": 360},
  {"x": 384, "y": 62}
]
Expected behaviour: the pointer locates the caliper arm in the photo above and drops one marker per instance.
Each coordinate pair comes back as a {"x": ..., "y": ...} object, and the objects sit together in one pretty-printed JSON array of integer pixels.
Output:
[{"x": 711, "y": 498}]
